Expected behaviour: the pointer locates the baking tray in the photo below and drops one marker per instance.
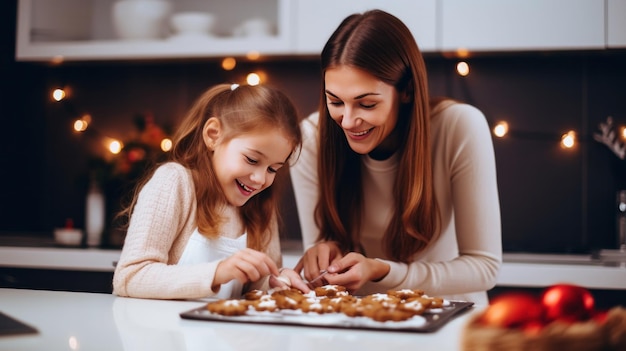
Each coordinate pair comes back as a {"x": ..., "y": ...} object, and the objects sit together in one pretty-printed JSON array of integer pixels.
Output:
[
  {"x": 428, "y": 322},
  {"x": 12, "y": 326}
]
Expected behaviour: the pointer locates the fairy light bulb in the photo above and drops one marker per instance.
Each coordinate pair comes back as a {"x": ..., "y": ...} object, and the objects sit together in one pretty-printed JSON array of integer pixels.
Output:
[
  {"x": 253, "y": 79},
  {"x": 501, "y": 129},
  {"x": 80, "y": 125},
  {"x": 253, "y": 55},
  {"x": 462, "y": 68},
  {"x": 166, "y": 144},
  {"x": 58, "y": 94},
  {"x": 229, "y": 63},
  {"x": 115, "y": 147},
  {"x": 568, "y": 140}
]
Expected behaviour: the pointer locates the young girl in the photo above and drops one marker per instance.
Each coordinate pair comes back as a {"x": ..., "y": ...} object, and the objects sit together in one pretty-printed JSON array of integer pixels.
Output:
[{"x": 205, "y": 223}]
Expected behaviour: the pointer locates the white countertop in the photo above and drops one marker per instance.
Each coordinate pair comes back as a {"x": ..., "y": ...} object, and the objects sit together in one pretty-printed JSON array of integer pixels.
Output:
[
  {"x": 87, "y": 321},
  {"x": 521, "y": 270}
]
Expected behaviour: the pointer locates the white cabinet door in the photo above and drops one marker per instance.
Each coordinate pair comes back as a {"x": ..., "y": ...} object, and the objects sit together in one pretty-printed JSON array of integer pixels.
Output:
[
  {"x": 616, "y": 23},
  {"x": 82, "y": 30},
  {"x": 315, "y": 21},
  {"x": 510, "y": 25}
]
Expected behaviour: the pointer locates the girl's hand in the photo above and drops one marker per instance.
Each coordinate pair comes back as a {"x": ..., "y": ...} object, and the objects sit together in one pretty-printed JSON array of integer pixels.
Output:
[
  {"x": 245, "y": 266},
  {"x": 318, "y": 258},
  {"x": 354, "y": 270},
  {"x": 289, "y": 278}
]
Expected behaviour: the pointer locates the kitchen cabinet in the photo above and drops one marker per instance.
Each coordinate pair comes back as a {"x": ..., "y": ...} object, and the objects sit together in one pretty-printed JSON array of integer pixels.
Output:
[
  {"x": 83, "y": 30},
  {"x": 616, "y": 23},
  {"x": 528, "y": 25},
  {"x": 315, "y": 21}
]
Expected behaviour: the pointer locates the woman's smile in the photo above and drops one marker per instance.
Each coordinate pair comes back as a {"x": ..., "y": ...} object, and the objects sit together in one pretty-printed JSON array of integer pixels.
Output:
[{"x": 359, "y": 135}]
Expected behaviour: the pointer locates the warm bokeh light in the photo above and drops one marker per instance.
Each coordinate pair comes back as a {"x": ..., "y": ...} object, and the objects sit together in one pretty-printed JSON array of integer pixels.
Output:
[
  {"x": 623, "y": 133},
  {"x": 462, "y": 52},
  {"x": 115, "y": 147},
  {"x": 253, "y": 55},
  {"x": 462, "y": 68},
  {"x": 57, "y": 60},
  {"x": 80, "y": 125},
  {"x": 166, "y": 144},
  {"x": 253, "y": 79},
  {"x": 501, "y": 129},
  {"x": 58, "y": 94},
  {"x": 229, "y": 63},
  {"x": 568, "y": 140}
]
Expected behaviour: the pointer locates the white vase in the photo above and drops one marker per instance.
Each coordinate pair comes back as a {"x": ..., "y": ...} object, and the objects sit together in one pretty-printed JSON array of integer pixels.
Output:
[
  {"x": 140, "y": 19},
  {"x": 95, "y": 213}
]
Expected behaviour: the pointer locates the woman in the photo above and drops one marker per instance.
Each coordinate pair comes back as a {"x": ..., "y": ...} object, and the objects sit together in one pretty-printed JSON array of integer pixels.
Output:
[{"x": 394, "y": 190}]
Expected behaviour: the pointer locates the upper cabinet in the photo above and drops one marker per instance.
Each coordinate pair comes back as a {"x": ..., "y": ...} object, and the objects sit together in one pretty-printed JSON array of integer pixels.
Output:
[
  {"x": 83, "y": 30},
  {"x": 315, "y": 21},
  {"x": 495, "y": 25},
  {"x": 616, "y": 23},
  {"x": 87, "y": 29}
]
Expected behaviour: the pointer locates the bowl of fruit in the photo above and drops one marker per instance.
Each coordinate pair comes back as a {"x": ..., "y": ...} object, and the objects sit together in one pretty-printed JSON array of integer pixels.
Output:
[{"x": 562, "y": 317}]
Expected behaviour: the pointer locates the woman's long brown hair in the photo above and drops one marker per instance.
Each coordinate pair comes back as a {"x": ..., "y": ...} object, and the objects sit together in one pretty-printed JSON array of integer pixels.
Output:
[
  {"x": 380, "y": 44},
  {"x": 241, "y": 110}
]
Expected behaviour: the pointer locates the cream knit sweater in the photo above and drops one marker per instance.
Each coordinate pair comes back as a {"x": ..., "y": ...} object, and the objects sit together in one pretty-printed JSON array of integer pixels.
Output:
[
  {"x": 162, "y": 222},
  {"x": 463, "y": 263}
]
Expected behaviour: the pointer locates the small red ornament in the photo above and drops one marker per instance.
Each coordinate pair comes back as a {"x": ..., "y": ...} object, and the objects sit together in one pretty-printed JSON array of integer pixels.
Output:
[
  {"x": 567, "y": 302},
  {"x": 514, "y": 309}
]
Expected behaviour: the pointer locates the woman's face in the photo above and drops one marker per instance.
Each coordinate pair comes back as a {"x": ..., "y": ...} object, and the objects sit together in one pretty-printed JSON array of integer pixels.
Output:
[
  {"x": 364, "y": 107},
  {"x": 247, "y": 164}
]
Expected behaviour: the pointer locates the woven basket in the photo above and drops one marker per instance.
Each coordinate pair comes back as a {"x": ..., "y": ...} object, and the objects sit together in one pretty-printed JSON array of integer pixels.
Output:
[{"x": 581, "y": 336}]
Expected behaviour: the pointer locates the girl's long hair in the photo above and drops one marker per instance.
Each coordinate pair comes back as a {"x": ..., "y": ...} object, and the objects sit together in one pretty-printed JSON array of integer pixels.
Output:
[
  {"x": 240, "y": 109},
  {"x": 380, "y": 44}
]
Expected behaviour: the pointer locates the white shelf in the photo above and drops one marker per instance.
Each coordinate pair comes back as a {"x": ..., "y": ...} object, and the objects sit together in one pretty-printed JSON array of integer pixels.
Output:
[{"x": 156, "y": 49}]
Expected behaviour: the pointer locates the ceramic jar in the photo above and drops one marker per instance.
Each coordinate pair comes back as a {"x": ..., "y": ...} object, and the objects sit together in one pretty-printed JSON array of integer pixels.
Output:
[{"x": 141, "y": 19}]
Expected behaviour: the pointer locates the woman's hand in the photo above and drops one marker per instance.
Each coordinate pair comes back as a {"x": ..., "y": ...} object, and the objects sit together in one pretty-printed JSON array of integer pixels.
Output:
[
  {"x": 318, "y": 258},
  {"x": 245, "y": 266},
  {"x": 289, "y": 278},
  {"x": 354, "y": 270}
]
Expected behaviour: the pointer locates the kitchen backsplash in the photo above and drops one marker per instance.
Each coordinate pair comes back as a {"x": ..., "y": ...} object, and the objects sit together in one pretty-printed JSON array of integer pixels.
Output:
[{"x": 552, "y": 199}]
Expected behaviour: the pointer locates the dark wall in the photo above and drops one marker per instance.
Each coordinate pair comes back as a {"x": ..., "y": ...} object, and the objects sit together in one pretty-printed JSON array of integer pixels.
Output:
[{"x": 552, "y": 200}]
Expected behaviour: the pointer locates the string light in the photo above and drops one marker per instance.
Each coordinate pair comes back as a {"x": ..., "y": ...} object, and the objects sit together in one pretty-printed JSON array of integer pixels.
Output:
[
  {"x": 253, "y": 79},
  {"x": 58, "y": 94},
  {"x": 462, "y": 68},
  {"x": 229, "y": 63},
  {"x": 501, "y": 129},
  {"x": 80, "y": 125},
  {"x": 568, "y": 140},
  {"x": 115, "y": 147},
  {"x": 253, "y": 55},
  {"x": 166, "y": 144}
]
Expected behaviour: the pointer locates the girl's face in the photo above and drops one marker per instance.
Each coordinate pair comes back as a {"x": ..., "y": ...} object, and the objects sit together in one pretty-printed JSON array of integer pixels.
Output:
[
  {"x": 364, "y": 107},
  {"x": 247, "y": 164}
]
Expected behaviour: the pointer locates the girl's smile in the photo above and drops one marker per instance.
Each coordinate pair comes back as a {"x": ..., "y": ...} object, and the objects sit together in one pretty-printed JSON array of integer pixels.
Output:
[{"x": 247, "y": 164}]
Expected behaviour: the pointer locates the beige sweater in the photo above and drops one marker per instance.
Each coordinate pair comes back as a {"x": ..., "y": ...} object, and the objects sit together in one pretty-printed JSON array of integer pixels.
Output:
[
  {"x": 160, "y": 227},
  {"x": 464, "y": 262}
]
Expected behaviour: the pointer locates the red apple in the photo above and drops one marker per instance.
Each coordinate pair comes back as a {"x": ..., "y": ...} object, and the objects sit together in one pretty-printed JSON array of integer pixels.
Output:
[
  {"x": 513, "y": 309},
  {"x": 567, "y": 302}
]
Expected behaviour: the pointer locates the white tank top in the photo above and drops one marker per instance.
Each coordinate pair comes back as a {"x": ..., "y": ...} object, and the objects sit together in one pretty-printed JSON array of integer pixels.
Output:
[{"x": 200, "y": 249}]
